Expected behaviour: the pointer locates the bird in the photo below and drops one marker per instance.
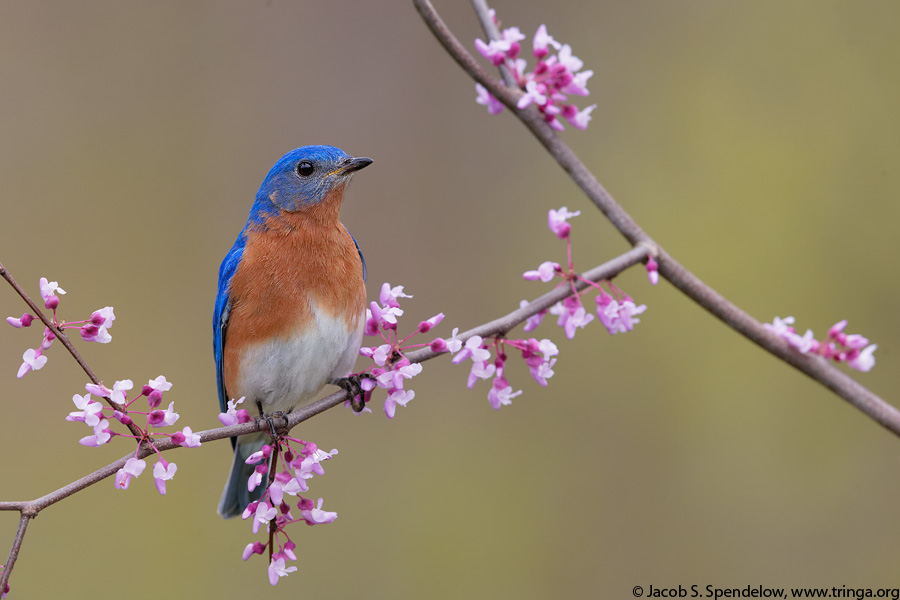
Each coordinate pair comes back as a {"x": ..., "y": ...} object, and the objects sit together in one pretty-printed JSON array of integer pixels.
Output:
[{"x": 290, "y": 310}]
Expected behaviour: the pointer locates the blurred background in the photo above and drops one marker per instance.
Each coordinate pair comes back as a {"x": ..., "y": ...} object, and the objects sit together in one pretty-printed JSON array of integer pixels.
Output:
[{"x": 758, "y": 142}]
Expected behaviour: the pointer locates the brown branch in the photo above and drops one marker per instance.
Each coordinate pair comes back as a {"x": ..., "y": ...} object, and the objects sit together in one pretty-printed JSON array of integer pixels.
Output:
[
  {"x": 14, "y": 551},
  {"x": 814, "y": 366},
  {"x": 30, "y": 508}
]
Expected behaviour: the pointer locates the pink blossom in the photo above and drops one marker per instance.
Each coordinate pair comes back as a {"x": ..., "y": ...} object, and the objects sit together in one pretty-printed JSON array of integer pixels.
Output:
[
  {"x": 264, "y": 513},
  {"x": 653, "y": 271},
  {"x": 485, "y": 98},
  {"x": 90, "y": 412},
  {"x": 101, "y": 435},
  {"x": 480, "y": 370},
  {"x": 545, "y": 272},
  {"x": 230, "y": 416},
  {"x": 805, "y": 343},
  {"x": 389, "y": 295},
  {"x": 278, "y": 570},
  {"x": 541, "y": 40},
  {"x": 397, "y": 396},
  {"x": 186, "y": 438},
  {"x": 534, "y": 320},
  {"x": 317, "y": 516},
  {"x": 534, "y": 93},
  {"x": 836, "y": 329},
  {"x": 118, "y": 392},
  {"x": 780, "y": 326},
  {"x": 381, "y": 354},
  {"x": 581, "y": 119},
  {"x": 253, "y": 548},
  {"x": 160, "y": 384},
  {"x": 557, "y": 221},
  {"x": 24, "y": 321},
  {"x": 163, "y": 418},
  {"x": 49, "y": 291},
  {"x": 454, "y": 344},
  {"x": 864, "y": 361},
  {"x": 472, "y": 350},
  {"x": 501, "y": 393},
  {"x": 133, "y": 468},
  {"x": 426, "y": 326},
  {"x": 162, "y": 472},
  {"x": 542, "y": 371},
  {"x": 32, "y": 360}
]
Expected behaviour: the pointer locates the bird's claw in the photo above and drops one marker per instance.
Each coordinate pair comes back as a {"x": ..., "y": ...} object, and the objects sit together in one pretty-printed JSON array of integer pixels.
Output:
[
  {"x": 269, "y": 418},
  {"x": 352, "y": 384}
]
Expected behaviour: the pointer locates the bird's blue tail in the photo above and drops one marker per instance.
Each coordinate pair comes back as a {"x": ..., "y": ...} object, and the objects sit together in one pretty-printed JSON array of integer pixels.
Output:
[{"x": 236, "y": 496}]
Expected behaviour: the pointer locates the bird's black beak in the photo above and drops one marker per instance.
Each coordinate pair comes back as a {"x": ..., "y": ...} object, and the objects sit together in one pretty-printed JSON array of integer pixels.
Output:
[{"x": 355, "y": 164}]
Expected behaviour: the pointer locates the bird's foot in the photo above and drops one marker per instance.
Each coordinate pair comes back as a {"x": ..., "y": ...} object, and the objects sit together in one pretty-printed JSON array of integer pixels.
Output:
[
  {"x": 270, "y": 419},
  {"x": 353, "y": 386}
]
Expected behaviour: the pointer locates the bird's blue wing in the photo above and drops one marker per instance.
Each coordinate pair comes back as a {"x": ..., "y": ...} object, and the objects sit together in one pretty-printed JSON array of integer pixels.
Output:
[
  {"x": 221, "y": 313},
  {"x": 361, "y": 257}
]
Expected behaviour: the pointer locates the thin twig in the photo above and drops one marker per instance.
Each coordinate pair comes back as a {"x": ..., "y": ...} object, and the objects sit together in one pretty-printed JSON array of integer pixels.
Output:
[
  {"x": 816, "y": 367},
  {"x": 14, "y": 551}
]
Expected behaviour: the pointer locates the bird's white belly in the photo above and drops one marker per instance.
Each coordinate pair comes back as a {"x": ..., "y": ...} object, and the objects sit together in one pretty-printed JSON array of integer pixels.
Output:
[{"x": 290, "y": 372}]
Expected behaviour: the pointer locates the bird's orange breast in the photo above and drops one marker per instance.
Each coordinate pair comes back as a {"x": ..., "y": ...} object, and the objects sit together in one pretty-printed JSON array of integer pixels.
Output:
[{"x": 292, "y": 264}]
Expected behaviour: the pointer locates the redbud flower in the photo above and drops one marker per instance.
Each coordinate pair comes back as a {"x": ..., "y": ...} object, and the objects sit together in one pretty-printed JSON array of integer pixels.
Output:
[
  {"x": 541, "y": 40},
  {"x": 317, "y": 516},
  {"x": 24, "y": 321},
  {"x": 501, "y": 393},
  {"x": 133, "y": 468},
  {"x": 426, "y": 326},
  {"x": 395, "y": 397},
  {"x": 264, "y": 513},
  {"x": 389, "y": 295},
  {"x": 230, "y": 416},
  {"x": 865, "y": 360},
  {"x": 545, "y": 272},
  {"x": 186, "y": 438},
  {"x": 118, "y": 392},
  {"x": 90, "y": 412},
  {"x": 557, "y": 221},
  {"x": 253, "y": 548},
  {"x": 162, "y": 472},
  {"x": 484, "y": 98},
  {"x": 653, "y": 271},
  {"x": 534, "y": 320},
  {"x": 33, "y": 360},
  {"x": 49, "y": 291},
  {"x": 277, "y": 570},
  {"x": 100, "y": 437}
]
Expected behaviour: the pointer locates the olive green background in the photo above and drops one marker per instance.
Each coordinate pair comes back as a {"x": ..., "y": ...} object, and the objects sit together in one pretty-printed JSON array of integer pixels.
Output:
[{"x": 758, "y": 141}]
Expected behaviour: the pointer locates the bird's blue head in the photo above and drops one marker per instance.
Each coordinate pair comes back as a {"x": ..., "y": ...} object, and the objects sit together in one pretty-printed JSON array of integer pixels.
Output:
[{"x": 303, "y": 178}]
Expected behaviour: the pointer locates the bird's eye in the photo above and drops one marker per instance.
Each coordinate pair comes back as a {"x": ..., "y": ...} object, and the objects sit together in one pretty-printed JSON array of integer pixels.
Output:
[{"x": 305, "y": 168}]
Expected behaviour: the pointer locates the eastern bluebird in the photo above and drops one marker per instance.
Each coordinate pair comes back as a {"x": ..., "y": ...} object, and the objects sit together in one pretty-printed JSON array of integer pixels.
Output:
[{"x": 291, "y": 305}]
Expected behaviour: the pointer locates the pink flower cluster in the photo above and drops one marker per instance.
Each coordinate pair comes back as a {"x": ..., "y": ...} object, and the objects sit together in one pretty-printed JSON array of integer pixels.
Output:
[
  {"x": 852, "y": 349},
  {"x": 391, "y": 369},
  {"x": 538, "y": 356},
  {"x": 95, "y": 329},
  {"x": 548, "y": 86},
  {"x": 91, "y": 412},
  {"x": 615, "y": 309},
  {"x": 297, "y": 466}
]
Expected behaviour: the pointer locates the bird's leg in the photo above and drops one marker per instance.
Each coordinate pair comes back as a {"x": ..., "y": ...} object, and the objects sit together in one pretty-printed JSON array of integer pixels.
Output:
[
  {"x": 353, "y": 386},
  {"x": 268, "y": 418}
]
